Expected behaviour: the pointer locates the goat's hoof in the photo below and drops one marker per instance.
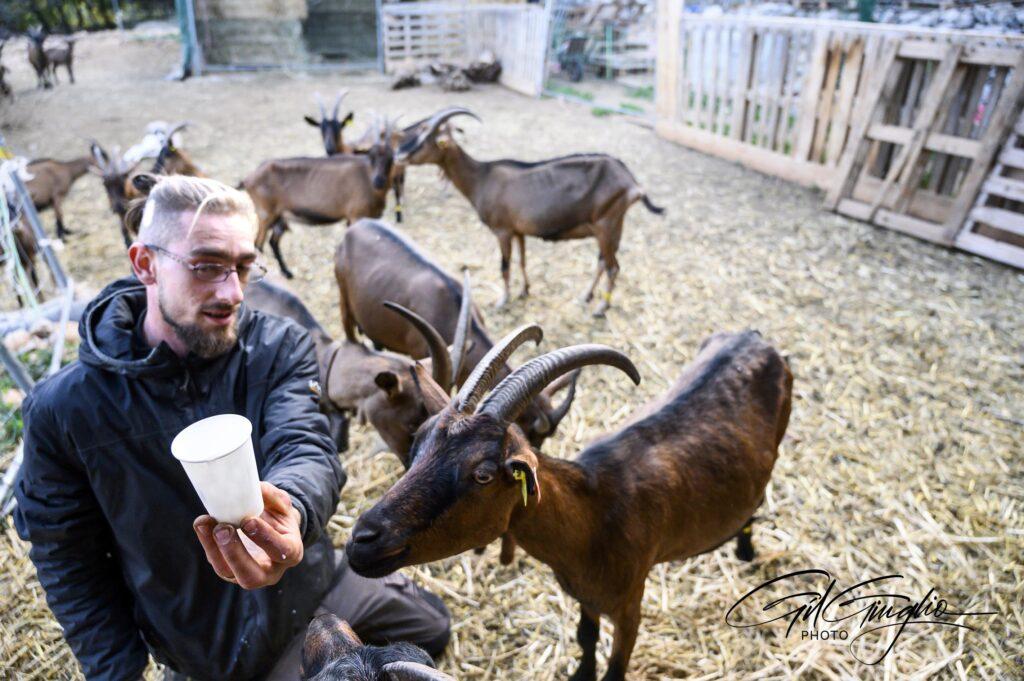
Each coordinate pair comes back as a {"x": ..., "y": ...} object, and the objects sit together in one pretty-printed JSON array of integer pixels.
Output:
[
  {"x": 599, "y": 313},
  {"x": 287, "y": 274},
  {"x": 525, "y": 293},
  {"x": 584, "y": 674},
  {"x": 478, "y": 550}
]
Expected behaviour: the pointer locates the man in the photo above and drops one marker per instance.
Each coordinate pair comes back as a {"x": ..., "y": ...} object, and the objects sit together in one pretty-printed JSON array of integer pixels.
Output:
[{"x": 130, "y": 563}]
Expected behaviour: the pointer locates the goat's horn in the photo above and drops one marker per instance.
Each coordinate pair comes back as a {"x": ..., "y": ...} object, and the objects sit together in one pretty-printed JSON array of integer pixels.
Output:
[
  {"x": 462, "y": 328},
  {"x": 442, "y": 363},
  {"x": 337, "y": 104},
  {"x": 518, "y": 389},
  {"x": 320, "y": 105},
  {"x": 102, "y": 159},
  {"x": 556, "y": 415},
  {"x": 413, "y": 671},
  {"x": 486, "y": 371},
  {"x": 433, "y": 123},
  {"x": 169, "y": 140}
]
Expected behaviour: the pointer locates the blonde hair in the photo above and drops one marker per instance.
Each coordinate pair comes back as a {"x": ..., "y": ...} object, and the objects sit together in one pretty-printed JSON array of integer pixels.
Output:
[{"x": 158, "y": 216}]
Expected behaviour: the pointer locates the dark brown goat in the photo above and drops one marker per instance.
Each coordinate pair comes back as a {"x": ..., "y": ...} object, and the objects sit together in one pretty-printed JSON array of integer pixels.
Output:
[
  {"x": 331, "y": 128},
  {"x": 319, "y": 191},
  {"x": 570, "y": 197},
  {"x": 51, "y": 181},
  {"x": 333, "y": 652},
  {"x": 374, "y": 263},
  {"x": 61, "y": 52},
  {"x": 681, "y": 478},
  {"x": 388, "y": 390},
  {"x": 37, "y": 58}
]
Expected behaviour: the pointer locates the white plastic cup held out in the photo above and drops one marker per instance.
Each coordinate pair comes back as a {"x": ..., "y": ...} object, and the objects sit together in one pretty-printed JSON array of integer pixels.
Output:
[{"x": 218, "y": 458}]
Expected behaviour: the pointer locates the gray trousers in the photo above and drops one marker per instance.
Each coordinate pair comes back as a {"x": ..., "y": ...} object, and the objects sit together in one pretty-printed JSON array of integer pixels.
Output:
[{"x": 381, "y": 611}]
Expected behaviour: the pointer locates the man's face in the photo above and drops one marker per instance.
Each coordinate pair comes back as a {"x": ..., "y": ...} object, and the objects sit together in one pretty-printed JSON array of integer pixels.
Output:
[{"x": 203, "y": 314}]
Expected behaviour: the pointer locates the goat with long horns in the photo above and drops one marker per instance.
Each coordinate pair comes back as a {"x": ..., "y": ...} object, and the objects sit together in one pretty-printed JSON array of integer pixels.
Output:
[
  {"x": 570, "y": 197},
  {"x": 684, "y": 476}
]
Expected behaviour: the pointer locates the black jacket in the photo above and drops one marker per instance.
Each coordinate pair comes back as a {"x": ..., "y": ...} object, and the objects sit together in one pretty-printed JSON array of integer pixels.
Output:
[{"x": 109, "y": 510}]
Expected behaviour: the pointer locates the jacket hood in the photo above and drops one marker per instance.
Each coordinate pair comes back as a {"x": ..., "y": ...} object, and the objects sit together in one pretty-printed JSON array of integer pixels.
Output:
[{"x": 108, "y": 330}]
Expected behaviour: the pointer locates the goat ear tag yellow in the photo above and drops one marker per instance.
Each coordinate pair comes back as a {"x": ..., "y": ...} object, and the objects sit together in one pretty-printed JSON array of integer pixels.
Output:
[{"x": 521, "y": 477}]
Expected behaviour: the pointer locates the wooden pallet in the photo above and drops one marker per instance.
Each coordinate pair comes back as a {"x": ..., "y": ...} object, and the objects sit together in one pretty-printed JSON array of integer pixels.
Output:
[
  {"x": 997, "y": 231},
  {"x": 937, "y": 117}
]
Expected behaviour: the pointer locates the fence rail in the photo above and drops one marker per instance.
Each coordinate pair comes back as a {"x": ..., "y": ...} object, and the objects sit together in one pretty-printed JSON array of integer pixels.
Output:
[
  {"x": 414, "y": 33},
  {"x": 899, "y": 125}
]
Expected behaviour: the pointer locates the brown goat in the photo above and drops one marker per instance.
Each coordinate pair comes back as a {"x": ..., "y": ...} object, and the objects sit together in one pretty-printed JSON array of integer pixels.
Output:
[
  {"x": 61, "y": 52},
  {"x": 51, "y": 181},
  {"x": 570, "y": 197},
  {"x": 681, "y": 478},
  {"x": 331, "y": 128},
  {"x": 382, "y": 388},
  {"x": 37, "y": 58},
  {"x": 333, "y": 652},
  {"x": 319, "y": 191},
  {"x": 374, "y": 263}
]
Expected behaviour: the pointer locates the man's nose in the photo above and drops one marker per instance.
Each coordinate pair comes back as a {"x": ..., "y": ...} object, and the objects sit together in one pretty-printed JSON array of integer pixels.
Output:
[{"x": 231, "y": 290}]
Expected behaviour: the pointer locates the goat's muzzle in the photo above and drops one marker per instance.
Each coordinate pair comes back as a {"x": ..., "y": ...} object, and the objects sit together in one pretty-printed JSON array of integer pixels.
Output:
[{"x": 373, "y": 551}]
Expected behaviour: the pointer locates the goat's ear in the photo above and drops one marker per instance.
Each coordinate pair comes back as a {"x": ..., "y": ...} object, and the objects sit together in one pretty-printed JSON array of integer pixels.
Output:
[
  {"x": 413, "y": 671},
  {"x": 388, "y": 382},
  {"x": 327, "y": 639},
  {"x": 144, "y": 182},
  {"x": 522, "y": 467},
  {"x": 312, "y": 121},
  {"x": 348, "y": 119}
]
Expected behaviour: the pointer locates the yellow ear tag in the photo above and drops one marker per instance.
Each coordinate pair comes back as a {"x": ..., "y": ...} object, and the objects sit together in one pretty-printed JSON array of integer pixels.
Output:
[
  {"x": 521, "y": 477},
  {"x": 398, "y": 208}
]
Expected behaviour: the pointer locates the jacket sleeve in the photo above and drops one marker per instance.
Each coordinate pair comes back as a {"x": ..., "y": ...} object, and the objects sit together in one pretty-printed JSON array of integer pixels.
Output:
[
  {"x": 300, "y": 455},
  {"x": 74, "y": 553}
]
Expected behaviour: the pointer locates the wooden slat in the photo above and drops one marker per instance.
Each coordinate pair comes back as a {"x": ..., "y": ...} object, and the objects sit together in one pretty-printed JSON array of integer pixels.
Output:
[
  {"x": 847, "y": 88},
  {"x": 856, "y": 149},
  {"x": 926, "y": 205},
  {"x": 991, "y": 248},
  {"x": 1005, "y": 187},
  {"x": 1007, "y": 109},
  {"x": 1006, "y": 220},
  {"x": 827, "y": 100},
  {"x": 739, "y": 92},
  {"x": 811, "y": 92},
  {"x": 909, "y": 153},
  {"x": 1012, "y": 157},
  {"x": 699, "y": 55},
  {"x": 715, "y": 45},
  {"x": 669, "y": 55},
  {"x": 936, "y": 141},
  {"x": 974, "y": 55},
  {"x": 777, "y": 88}
]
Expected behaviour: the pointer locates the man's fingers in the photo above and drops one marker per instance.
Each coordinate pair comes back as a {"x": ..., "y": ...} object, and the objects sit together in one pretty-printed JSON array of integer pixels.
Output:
[
  {"x": 279, "y": 547},
  {"x": 275, "y": 498},
  {"x": 203, "y": 526},
  {"x": 248, "y": 573}
]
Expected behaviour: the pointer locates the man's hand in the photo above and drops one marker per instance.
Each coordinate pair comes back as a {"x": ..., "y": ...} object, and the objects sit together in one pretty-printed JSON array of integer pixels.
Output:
[{"x": 273, "y": 542}]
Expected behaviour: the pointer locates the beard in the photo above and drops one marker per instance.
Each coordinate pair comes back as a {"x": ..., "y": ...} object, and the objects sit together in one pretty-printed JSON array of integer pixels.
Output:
[{"x": 204, "y": 343}]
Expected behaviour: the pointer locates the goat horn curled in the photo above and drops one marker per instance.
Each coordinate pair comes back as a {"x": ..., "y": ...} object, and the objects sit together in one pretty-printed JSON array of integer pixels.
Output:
[
  {"x": 511, "y": 396},
  {"x": 486, "y": 371},
  {"x": 440, "y": 361},
  {"x": 434, "y": 122},
  {"x": 462, "y": 328}
]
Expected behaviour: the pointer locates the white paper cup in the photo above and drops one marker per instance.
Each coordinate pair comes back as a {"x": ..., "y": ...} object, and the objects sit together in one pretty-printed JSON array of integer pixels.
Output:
[{"x": 218, "y": 458}]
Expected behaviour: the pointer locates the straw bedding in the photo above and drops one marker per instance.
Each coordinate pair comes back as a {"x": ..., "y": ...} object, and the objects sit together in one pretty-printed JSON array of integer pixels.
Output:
[{"x": 903, "y": 454}]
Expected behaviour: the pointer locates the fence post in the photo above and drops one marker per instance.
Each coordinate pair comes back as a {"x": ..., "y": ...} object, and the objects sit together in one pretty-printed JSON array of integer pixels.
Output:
[{"x": 667, "y": 69}]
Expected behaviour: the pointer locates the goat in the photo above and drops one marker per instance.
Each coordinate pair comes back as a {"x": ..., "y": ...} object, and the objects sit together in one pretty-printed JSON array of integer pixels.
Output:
[
  {"x": 51, "y": 183},
  {"x": 331, "y": 130},
  {"x": 27, "y": 249},
  {"x": 319, "y": 191},
  {"x": 374, "y": 263},
  {"x": 681, "y": 478},
  {"x": 61, "y": 53},
  {"x": 333, "y": 652},
  {"x": 570, "y": 197},
  {"x": 383, "y": 388},
  {"x": 37, "y": 58}
]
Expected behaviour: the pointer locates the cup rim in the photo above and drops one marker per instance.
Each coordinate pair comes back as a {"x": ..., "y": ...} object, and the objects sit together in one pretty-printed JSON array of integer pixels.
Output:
[{"x": 243, "y": 433}]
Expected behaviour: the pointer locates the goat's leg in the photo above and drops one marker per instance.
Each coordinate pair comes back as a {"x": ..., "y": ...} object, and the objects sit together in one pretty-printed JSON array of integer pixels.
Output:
[
  {"x": 399, "y": 188},
  {"x": 277, "y": 231},
  {"x": 522, "y": 265},
  {"x": 587, "y": 633},
  {"x": 588, "y": 295},
  {"x": 508, "y": 549},
  {"x": 62, "y": 231},
  {"x": 627, "y": 623},
  {"x": 608, "y": 242},
  {"x": 505, "y": 243},
  {"x": 71, "y": 74},
  {"x": 744, "y": 545}
]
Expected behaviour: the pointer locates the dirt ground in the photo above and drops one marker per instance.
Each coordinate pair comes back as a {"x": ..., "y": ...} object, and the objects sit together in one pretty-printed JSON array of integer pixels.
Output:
[{"x": 903, "y": 455}]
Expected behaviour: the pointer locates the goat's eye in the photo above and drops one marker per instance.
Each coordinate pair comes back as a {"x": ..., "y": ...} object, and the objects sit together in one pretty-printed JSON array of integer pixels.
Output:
[{"x": 483, "y": 477}]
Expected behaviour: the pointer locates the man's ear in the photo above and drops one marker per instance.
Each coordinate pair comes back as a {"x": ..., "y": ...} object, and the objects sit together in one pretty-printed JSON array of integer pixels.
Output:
[
  {"x": 312, "y": 121},
  {"x": 388, "y": 382},
  {"x": 327, "y": 639},
  {"x": 143, "y": 263},
  {"x": 522, "y": 467}
]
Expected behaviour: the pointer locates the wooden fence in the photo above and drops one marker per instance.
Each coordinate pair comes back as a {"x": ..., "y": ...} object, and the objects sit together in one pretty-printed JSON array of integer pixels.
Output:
[
  {"x": 899, "y": 125},
  {"x": 419, "y": 32}
]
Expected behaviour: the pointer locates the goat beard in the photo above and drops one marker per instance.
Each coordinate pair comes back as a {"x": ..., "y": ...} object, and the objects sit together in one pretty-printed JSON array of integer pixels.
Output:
[{"x": 205, "y": 344}]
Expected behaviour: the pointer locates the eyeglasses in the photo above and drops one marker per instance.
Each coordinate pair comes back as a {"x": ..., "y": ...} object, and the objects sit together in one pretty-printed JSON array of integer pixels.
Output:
[{"x": 214, "y": 273}]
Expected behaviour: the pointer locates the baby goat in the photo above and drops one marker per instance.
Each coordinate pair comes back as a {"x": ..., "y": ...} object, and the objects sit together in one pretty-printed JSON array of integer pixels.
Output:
[
  {"x": 681, "y": 478},
  {"x": 570, "y": 197},
  {"x": 333, "y": 652}
]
